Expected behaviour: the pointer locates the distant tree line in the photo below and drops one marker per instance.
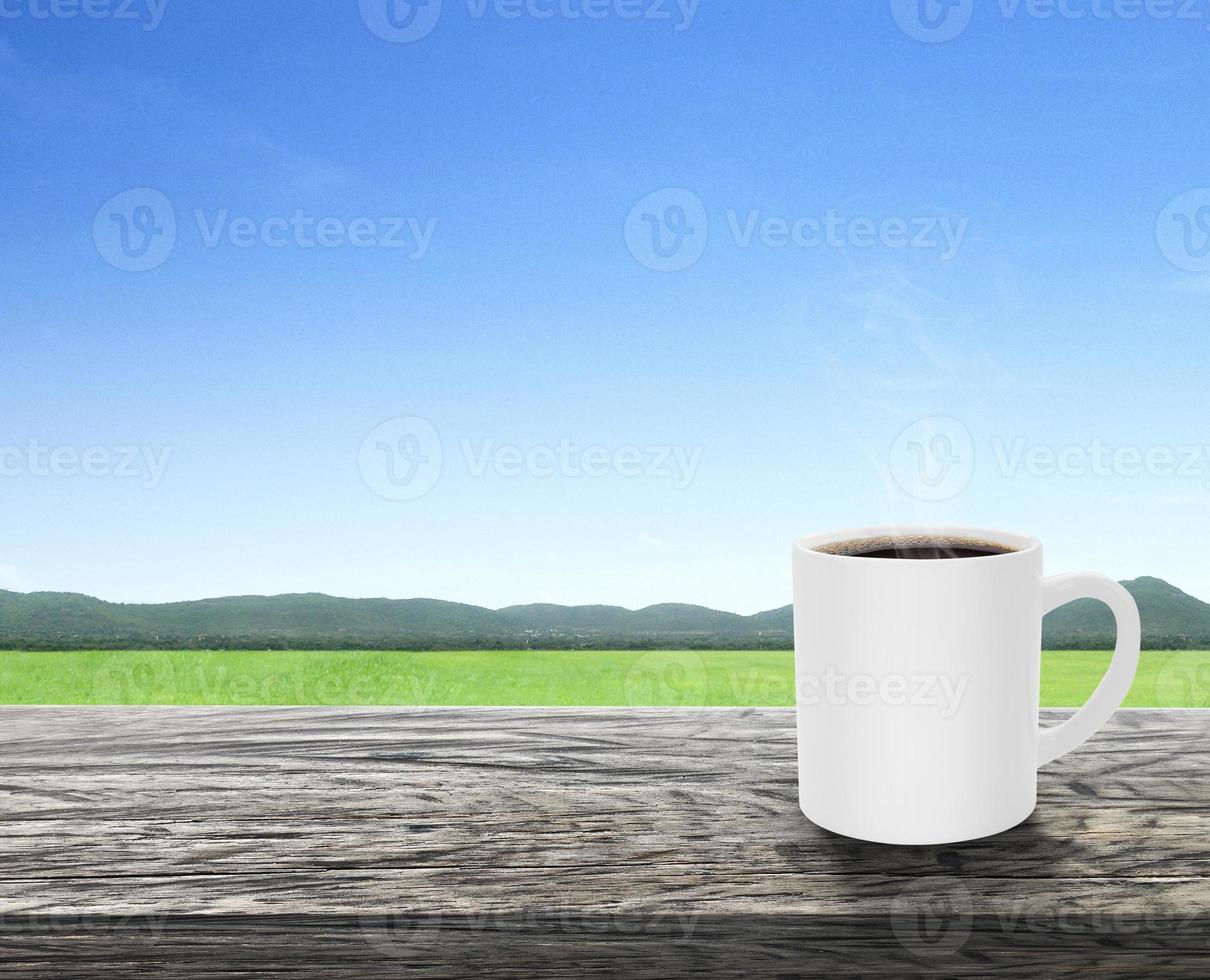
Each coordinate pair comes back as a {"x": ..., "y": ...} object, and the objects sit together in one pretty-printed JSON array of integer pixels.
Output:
[
  {"x": 1159, "y": 641},
  {"x": 342, "y": 642},
  {"x": 772, "y": 640}
]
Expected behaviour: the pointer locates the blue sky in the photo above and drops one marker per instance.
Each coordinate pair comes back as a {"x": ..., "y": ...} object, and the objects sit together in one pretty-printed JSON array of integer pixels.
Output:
[{"x": 488, "y": 385}]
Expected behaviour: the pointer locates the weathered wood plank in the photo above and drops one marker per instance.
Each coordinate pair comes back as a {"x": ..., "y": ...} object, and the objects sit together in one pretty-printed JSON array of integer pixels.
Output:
[
  {"x": 256, "y": 842},
  {"x": 561, "y": 947},
  {"x": 1162, "y": 843}
]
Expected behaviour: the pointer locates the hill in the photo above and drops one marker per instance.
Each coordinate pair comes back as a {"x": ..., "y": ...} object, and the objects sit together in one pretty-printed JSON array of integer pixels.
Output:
[
  {"x": 1171, "y": 619},
  {"x": 58, "y": 620}
]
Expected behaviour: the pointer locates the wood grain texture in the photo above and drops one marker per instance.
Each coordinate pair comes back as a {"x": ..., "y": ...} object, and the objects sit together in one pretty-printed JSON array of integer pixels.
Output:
[{"x": 256, "y": 842}]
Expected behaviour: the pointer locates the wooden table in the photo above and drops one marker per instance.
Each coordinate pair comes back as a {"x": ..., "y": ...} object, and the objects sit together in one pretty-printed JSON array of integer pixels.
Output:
[{"x": 225, "y": 842}]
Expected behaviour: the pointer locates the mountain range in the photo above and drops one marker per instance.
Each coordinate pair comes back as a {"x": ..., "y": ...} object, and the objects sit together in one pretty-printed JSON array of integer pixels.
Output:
[{"x": 1171, "y": 619}]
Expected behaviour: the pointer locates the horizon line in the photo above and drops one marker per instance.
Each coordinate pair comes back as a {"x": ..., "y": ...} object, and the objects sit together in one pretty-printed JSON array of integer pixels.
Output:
[{"x": 456, "y": 602}]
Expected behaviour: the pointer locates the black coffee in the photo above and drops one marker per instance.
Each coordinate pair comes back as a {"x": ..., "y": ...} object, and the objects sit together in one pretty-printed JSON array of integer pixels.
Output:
[{"x": 915, "y": 547}]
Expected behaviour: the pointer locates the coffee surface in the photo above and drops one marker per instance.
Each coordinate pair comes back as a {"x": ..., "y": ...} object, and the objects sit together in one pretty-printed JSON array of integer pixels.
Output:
[{"x": 915, "y": 547}]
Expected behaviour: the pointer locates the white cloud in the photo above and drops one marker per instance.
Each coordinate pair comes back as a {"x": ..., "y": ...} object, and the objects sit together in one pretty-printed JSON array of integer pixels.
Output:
[{"x": 10, "y": 579}]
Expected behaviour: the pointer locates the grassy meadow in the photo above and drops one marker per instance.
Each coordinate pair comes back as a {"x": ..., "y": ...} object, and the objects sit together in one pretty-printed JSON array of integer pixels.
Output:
[{"x": 506, "y": 677}]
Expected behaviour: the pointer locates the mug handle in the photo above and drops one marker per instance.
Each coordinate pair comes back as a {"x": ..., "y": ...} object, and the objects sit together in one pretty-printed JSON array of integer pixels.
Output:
[{"x": 1058, "y": 590}]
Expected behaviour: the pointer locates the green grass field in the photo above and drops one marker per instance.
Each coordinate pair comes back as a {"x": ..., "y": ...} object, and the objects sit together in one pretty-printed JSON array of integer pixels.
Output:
[{"x": 506, "y": 677}]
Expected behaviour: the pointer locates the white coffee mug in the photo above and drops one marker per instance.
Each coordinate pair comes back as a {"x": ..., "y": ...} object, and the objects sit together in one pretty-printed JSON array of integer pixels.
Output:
[{"x": 917, "y": 683}]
